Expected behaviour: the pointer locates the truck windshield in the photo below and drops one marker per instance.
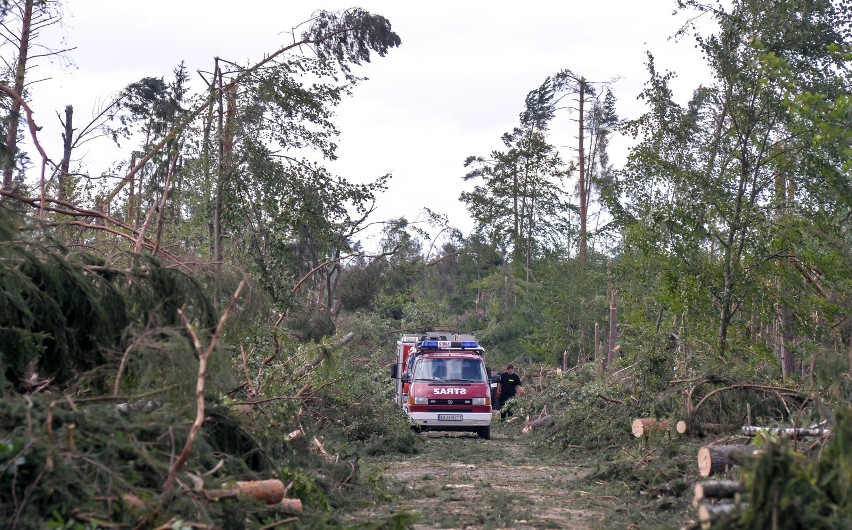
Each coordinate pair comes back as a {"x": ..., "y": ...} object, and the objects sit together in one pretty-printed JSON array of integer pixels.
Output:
[{"x": 454, "y": 370}]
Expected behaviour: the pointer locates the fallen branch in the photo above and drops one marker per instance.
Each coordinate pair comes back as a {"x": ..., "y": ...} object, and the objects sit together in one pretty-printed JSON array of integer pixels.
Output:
[
  {"x": 778, "y": 390},
  {"x": 325, "y": 349},
  {"x": 610, "y": 400},
  {"x": 203, "y": 356}
]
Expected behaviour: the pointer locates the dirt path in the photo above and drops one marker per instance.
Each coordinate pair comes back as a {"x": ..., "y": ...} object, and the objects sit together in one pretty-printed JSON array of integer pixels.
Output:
[{"x": 460, "y": 481}]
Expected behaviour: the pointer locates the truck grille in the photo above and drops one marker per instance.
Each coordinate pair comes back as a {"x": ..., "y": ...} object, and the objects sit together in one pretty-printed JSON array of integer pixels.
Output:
[
  {"x": 436, "y": 409},
  {"x": 450, "y": 402}
]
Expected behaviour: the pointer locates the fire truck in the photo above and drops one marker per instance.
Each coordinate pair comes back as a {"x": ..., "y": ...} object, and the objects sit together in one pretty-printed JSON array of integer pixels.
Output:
[{"x": 442, "y": 384}]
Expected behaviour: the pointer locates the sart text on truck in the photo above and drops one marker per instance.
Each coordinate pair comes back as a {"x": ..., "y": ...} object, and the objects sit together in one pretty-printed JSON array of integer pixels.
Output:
[{"x": 442, "y": 383}]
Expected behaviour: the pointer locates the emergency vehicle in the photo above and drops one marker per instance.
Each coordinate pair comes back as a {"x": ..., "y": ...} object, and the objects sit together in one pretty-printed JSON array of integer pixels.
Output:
[{"x": 441, "y": 383}]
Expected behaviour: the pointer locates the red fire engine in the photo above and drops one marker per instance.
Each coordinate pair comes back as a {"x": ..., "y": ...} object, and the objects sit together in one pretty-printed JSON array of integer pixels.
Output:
[{"x": 442, "y": 384}]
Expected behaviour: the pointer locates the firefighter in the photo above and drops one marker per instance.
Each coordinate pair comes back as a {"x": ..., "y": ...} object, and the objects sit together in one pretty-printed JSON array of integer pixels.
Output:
[{"x": 507, "y": 388}]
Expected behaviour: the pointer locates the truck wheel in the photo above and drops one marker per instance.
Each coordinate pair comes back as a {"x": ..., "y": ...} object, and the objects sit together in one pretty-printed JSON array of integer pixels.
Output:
[{"x": 484, "y": 432}]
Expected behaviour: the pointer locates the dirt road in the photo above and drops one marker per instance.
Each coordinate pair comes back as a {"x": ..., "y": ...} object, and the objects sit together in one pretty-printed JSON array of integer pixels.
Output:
[{"x": 460, "y": 481}]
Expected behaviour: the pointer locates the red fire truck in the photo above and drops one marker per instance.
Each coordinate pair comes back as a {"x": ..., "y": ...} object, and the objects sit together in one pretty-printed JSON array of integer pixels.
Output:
[{"x": 442, "y": 384}]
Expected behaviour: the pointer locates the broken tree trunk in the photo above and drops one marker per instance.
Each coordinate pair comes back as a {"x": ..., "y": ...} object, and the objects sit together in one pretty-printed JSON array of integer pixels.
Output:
[
  {"x": 645, "y": 426},
  {"x": 713, "y": 459},
  {"x": 710, "y": 515},
  {"x": 538, "y": 424},
  {"x": 716, "y": 489},
  {"x": 751, "y": 430}
]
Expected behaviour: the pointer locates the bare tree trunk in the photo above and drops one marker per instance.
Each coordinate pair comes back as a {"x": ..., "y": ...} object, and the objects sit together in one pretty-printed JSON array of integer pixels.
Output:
[
  {"x": 613, "y": 349},
  {"x": 597, "y": 340},
  {"x": 15, "y": 108},
  {"x": 67, "y": 144},
  {"x": 581, "y": 254},
  {"x": 131, "y": 200},
  {"x": 785, "y": 341},
  {"x": 217, "y": 215}
]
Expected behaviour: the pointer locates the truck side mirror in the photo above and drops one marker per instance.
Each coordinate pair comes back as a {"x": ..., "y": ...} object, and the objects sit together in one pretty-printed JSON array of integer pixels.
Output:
[
  {"x": 406, "y": 378},
  {"x": 395, "y": 371}
]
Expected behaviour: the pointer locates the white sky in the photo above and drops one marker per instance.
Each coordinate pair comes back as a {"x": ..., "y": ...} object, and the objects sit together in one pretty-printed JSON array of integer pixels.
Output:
[{"x": 454, "y": 86}]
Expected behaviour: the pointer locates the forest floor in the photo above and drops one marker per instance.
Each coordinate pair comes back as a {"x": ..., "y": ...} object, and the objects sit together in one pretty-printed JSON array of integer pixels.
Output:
[{"x": 510, "y": 481}]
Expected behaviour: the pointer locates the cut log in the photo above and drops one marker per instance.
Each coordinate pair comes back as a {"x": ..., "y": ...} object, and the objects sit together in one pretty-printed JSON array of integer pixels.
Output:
[
  {"x": 538, "y": 424},
  {"x": 713, "y": 459},
  {"x": 682, "y": 427},
  {"x": 268, "y": 491},
  {"x": 645, "y": 426},
  {"x": 291, "y": 505},
  {"x": 801, "y": 432},
  {"x": 716, "y": 489},
  {"x": 710, "y": 515}
]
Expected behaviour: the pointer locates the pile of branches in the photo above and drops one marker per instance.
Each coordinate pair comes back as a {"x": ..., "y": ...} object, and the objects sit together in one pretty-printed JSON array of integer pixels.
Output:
[{"x": 123, "y": 408}]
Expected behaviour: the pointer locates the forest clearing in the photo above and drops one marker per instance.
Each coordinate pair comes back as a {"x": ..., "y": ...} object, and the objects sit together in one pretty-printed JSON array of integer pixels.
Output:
[{"x": 197, "y": 335}]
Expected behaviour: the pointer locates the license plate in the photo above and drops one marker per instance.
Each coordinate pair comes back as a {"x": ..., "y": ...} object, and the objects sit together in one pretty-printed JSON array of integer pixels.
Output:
[{"x": 450, "y": 417}]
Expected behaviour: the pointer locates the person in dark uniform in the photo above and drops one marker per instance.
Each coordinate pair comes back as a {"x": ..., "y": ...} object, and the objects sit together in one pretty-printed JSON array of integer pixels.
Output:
[{"x": 507, "y": 388}]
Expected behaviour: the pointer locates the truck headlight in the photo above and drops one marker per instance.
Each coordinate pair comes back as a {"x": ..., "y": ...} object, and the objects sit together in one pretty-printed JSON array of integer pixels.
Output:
[
  {"x": 421, "y": 401},
  {"x": 481, "y": 401}
]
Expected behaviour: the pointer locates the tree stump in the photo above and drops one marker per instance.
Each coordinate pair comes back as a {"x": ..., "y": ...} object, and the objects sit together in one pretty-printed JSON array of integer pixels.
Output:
[{"x": 713, "y": 459}]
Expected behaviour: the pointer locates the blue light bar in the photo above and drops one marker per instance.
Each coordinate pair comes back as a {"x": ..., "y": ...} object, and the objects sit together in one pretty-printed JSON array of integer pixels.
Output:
[{"x": 446, "y": 344}]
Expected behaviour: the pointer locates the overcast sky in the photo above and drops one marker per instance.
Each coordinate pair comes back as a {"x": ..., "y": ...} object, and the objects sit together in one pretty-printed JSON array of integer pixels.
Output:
[{"x": 456, "y": 84}]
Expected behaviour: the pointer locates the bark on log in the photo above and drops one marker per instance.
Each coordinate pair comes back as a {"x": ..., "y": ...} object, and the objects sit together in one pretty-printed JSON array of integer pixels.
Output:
[
  {"x": 711, "y": 514},
  {"x": 716, "y": 489},
  {"x": 538, "y": 424},
  {"x": 268, "y": 491},
  {"x": 645, "y": 426},
  {"x": 751, "y": 430},
  {"x": 714, "y": 459}
]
